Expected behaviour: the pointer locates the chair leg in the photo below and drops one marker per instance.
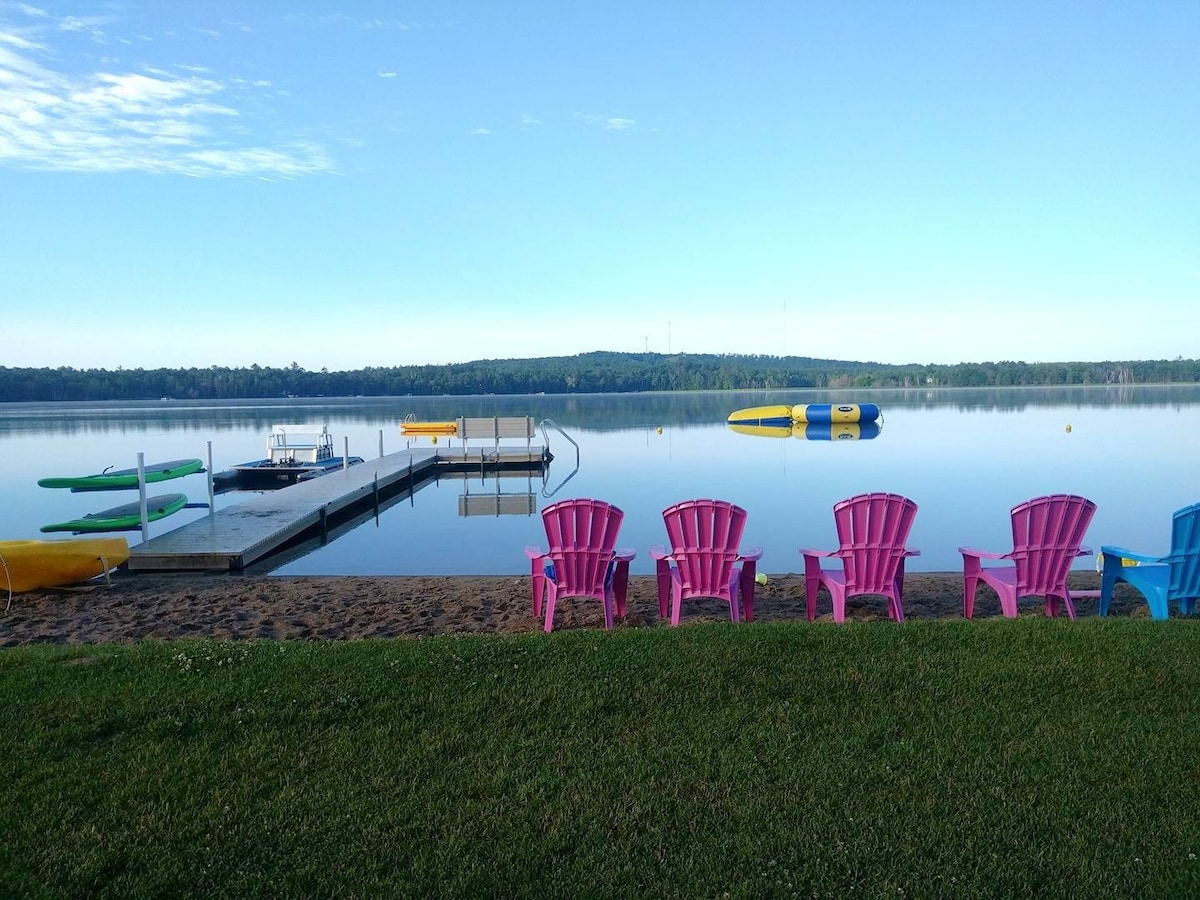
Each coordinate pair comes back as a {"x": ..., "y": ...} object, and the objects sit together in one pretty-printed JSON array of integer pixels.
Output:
[
  {"x": 746, "y": 586},
  {"x": 608, "y": 611},
  {"x": 1052, "y": 604},
  {"x": 1108, "y": 583},
  {"x": 551, "y": 593},
  {"x": 664, "y": 587},
  {"x": 539, "y": 586},
  {"x": 676, "y": 601},
  {"x": 812, "y": 584},
  {"x": 970, "y": 584},
  {"x": 839, "y": 602},
  {"x": 620, "y": 586}
]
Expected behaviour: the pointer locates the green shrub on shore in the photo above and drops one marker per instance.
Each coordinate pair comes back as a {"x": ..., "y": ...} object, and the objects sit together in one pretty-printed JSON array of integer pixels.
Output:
[{"x": 1000, "y": 758}]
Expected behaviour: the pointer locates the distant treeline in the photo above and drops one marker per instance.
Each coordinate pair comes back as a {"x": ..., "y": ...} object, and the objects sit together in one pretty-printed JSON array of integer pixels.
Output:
[{"x": 599, "y": 372}]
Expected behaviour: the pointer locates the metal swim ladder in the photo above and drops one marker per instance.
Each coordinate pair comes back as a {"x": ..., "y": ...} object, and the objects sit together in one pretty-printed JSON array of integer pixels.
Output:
[{"x": 546, "y": 492}]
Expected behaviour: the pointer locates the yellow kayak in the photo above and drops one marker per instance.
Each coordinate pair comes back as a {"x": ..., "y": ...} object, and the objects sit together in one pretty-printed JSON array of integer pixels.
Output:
[{"x": 29, "y": 565}]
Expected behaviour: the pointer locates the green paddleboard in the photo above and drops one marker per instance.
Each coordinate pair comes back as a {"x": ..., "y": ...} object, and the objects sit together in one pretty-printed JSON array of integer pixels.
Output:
[
  {"x": 126, "y": 517},
  {"x": 122, "y": 479}
]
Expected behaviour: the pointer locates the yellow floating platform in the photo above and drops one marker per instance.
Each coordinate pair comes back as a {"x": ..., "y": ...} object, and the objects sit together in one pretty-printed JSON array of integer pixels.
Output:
[
  {"x": 29, "y": 565},
  {"x": 429, "y": 428}
]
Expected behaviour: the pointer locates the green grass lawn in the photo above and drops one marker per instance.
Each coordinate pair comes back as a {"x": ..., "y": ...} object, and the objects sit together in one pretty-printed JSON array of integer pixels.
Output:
[{"x": 941, "y": 758}]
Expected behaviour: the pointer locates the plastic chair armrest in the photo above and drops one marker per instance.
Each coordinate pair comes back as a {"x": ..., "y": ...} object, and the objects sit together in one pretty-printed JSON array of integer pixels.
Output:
[
  {"x": 1122, "y": 553},
  {"x": 1084, "y": 551},
  {"x": 659, "y": 552},
  {"x": 624, "y": 554},
  {"x": 911, "y": 551},
  {"x": 535, "y": 552},
  {"x": 806, "y": 552},
  {"x": 983, "y": 554},
  {"x": 751, "y": 554}
]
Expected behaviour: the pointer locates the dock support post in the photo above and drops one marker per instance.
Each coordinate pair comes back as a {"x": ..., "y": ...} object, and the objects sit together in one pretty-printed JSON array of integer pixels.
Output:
[
  {"x": 324, "y": 525},
  {"x": 210, "y": 478},
  {"x": 345, "y": 452},
  {"x": 381, "y": 443},
  {"x": 145, "y": 513},
  {"x": 377, "y": 495}
]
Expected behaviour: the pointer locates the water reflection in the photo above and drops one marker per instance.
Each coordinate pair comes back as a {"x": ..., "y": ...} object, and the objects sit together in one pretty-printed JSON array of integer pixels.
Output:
[
  {"x": 965, "y": 455},
  {"x": 593, "y": 411}
]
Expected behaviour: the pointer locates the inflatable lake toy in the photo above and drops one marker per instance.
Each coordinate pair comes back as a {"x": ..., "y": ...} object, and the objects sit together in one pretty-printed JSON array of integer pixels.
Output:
[
  {"x": 29, "y": 565},
  {"x": 126, "y": 517},
  {"x": 805, "y": 414},
  {"x": 123, "y": 479},
  {"x": 829, "y": 431}
]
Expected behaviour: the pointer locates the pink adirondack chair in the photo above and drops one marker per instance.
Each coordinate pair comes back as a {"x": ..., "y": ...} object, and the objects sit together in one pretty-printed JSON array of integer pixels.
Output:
[
  {"x": 582, "y": 560},
  {"x": 872, "y": 530},
  {"x": 703, "y": 560},
  {"x": 1047, "y": 533}
]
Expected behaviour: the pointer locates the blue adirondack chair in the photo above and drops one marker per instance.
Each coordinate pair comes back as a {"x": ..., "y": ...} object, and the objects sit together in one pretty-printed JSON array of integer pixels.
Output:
[{"x": 1160, "y": 579}]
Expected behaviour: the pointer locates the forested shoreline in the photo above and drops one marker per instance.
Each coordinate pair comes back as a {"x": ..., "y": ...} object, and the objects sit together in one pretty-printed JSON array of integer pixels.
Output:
[{"x": 599, "y": 372}]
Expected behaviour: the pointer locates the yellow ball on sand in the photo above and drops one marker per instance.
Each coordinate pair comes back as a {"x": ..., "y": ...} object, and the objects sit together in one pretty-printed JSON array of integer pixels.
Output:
[{"x": 760, "y": 578}]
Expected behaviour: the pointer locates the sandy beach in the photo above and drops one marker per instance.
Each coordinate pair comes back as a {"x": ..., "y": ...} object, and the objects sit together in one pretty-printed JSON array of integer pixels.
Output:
[{"x": 169, "y": 607}]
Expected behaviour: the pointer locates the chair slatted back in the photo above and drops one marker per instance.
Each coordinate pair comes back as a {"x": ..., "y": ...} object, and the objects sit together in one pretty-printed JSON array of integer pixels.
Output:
[
  {"x": 704, "y": 537},
  {"x": 1184, "y": 558},
  {"x": 872, "y": 531},
  {"x": 1047, "y": 534},
  {"x": 582, "y": 535}
]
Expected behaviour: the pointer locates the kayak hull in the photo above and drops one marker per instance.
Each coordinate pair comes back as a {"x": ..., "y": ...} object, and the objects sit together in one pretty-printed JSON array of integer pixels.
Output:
[{"x": 29, "y": 565}]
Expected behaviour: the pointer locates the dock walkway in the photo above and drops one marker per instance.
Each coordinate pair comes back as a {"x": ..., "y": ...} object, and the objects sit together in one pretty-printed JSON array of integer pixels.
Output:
[{"x": 231, "y": 538}]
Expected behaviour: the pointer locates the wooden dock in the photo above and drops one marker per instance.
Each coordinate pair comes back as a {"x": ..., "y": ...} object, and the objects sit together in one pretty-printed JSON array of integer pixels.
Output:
[{"x": 234, "y": 537}]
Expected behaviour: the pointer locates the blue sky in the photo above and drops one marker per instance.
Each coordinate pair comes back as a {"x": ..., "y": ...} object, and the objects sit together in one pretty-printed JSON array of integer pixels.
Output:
[{"x": 368, "y": 184}]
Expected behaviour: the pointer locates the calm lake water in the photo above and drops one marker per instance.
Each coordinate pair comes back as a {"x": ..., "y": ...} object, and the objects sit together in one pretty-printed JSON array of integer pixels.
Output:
[{"x": 965, "y": 456}]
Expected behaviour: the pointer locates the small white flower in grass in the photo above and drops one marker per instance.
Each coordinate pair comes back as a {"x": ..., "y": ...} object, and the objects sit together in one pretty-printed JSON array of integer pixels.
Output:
[{"x": 1191, "y": 856}]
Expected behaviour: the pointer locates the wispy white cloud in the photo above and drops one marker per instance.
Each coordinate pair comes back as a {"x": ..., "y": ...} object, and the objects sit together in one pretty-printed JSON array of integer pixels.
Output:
[
  {"x": 481, "y": 131},
  {"x": 530, "y": 120},
  {"x": 15, "y": 40},
  {"x": 368, "y": 22},
  {"x": 150, "y": 120},
  {"x": 608, "y": 123},
  {"x": 89, "y": 25},
  {"x": 387, "y": 74}
]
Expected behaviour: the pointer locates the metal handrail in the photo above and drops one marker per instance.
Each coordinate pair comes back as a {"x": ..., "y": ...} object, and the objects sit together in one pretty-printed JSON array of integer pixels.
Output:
[{"x": 545, "y": 437}]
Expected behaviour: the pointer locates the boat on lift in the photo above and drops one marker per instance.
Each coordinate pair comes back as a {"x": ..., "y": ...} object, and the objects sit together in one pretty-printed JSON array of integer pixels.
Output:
[{"x": 294, "y": 453}]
